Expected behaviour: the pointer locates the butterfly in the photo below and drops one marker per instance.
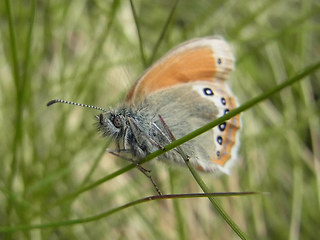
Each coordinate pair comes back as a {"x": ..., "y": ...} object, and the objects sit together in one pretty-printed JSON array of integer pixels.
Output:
[
  {"x": 180, "y": 93},
  {"x": 187, "y": 88}
]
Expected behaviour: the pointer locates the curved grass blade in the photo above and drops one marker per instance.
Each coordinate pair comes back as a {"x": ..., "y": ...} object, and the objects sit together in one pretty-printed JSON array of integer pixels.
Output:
[{"x": 117, "y": 209}]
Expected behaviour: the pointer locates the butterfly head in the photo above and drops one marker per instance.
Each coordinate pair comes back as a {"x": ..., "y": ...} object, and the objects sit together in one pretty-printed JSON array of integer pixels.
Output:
[{"x": 112, "y": 123}]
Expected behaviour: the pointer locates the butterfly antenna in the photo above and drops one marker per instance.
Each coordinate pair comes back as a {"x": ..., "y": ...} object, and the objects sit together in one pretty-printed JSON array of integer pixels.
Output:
[{"x": 74, "y": 103}]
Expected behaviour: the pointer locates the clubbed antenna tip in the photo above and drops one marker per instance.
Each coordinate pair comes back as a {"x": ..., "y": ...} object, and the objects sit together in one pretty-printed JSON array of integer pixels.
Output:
[{"x": 51, "y": 102}]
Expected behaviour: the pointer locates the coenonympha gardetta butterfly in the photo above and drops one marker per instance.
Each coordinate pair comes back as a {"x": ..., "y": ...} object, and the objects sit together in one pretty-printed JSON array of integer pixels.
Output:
[{"x": 188, "y": 89}]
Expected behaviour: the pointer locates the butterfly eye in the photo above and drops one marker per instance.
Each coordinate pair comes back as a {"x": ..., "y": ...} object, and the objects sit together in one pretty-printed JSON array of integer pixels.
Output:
[{"x": 117, "y": 121}]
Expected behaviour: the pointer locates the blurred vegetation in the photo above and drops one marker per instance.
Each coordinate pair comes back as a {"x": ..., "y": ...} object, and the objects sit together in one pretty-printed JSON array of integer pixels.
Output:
[{"x": 88, "y": 52}]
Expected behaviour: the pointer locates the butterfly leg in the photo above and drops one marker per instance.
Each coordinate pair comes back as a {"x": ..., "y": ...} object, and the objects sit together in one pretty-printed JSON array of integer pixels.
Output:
[
  {"x": 135, "y": 127},
  {"x": 145, "y": 171},
  {"x": 179, "y": 149},
  {"x": 117, "y": 154}
]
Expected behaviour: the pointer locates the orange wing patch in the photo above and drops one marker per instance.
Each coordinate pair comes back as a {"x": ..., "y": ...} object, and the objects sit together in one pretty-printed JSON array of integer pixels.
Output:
[{"x": 190, "y": 65}]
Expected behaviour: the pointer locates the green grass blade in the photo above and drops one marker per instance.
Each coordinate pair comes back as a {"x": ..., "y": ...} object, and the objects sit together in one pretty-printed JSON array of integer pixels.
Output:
[
  {"x": 163, "y": 32},
  {"x": 143, "y": 57},
  {"x": 117, "y": 209}
]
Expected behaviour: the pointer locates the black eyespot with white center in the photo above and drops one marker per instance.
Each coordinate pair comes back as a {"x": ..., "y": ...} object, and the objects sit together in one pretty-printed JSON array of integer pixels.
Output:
[
  {"x": 223, "y": 101},
  {"x": 116, "y": 120},
  {"x": 219, "y": 61},
  {"x": 208, "y": 92},
  {"x": 218, "y": 153},
  {"x": 226, "y": 111},
  {"x": 219, "y": 140},
  {"x": 222, "y": 126}
]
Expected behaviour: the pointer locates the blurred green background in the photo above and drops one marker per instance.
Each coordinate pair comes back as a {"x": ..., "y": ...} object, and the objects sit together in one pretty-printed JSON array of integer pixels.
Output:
[{"x": 88, "y": 52}]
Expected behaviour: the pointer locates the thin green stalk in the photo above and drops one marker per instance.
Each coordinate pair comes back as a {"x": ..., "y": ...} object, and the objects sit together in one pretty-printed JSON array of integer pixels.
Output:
[
  {"x": 143, "y": 57},
  {"x": 27, "y": 57},
  {"x": 297, "y": 203},
  {"x": 211, "y": 9},
  {"x": 17, "y": 134},
  {"x": 13, "y": 45},
  {"x": 250, "y": 18},
  {"x": 203, "y": 186},
  {"x": 25, "y": 78},
  {"x": 94, "y": 165},
  {"x": 96, "y": 183},
  {"x": 97, "y": 51},
  {"x": 117, "y": 209},
  {"x": 216, "y": 204},
  {"x": 163, "y": 32},
  {"x": 179, "y": 218}
]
